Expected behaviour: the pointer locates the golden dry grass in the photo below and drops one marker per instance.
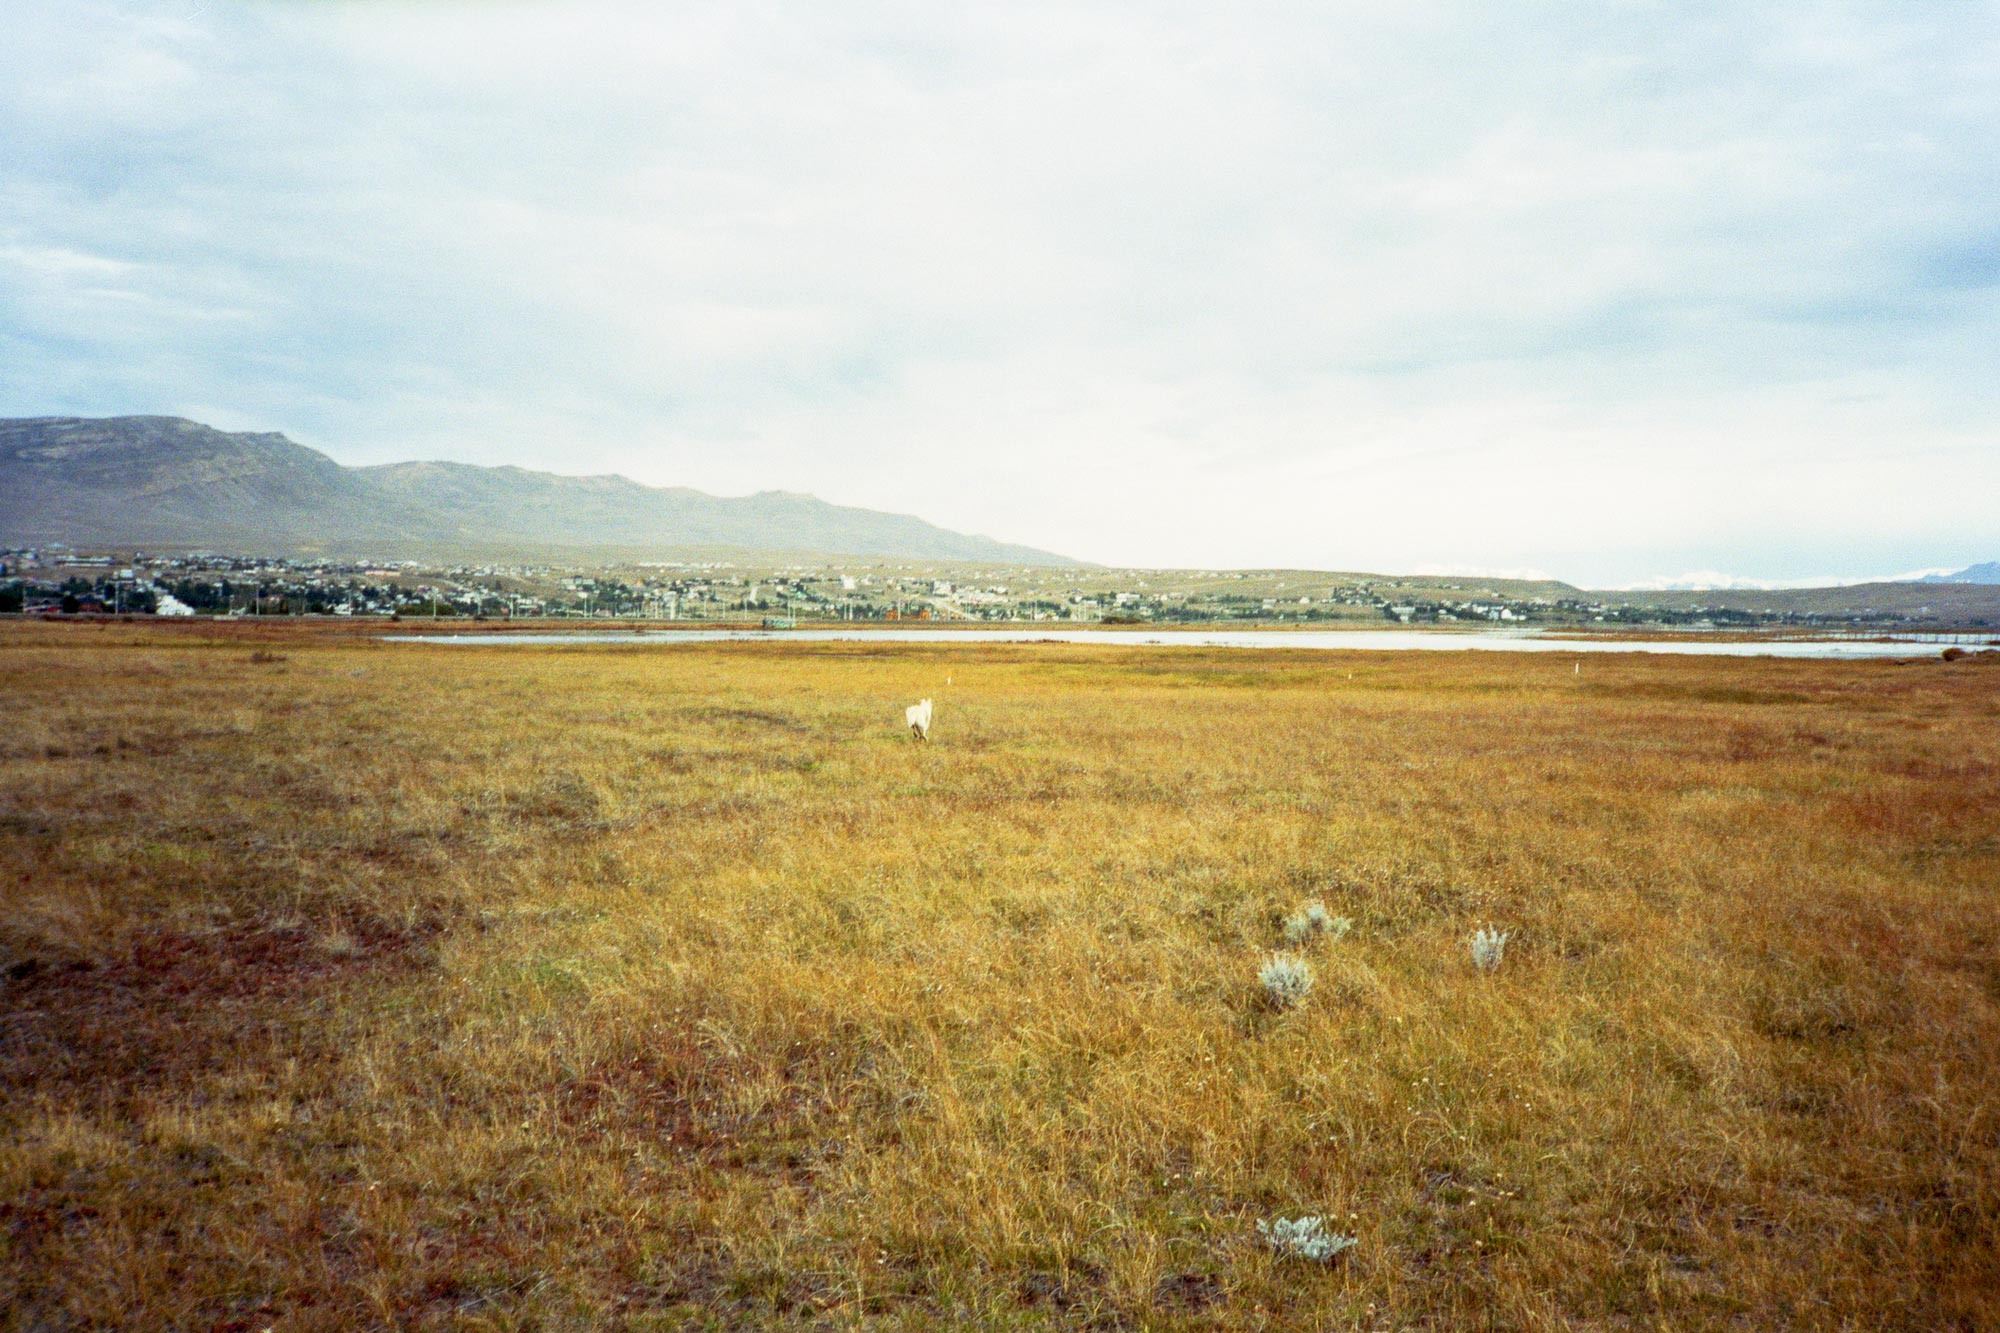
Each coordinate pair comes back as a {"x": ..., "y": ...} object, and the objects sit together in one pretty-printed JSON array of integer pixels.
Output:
[{"x": 389, "y": 986}]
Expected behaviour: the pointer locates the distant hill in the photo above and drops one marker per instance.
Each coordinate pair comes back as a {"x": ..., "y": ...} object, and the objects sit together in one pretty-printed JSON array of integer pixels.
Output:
[
  {"x": 1968, "y": 604},
  {"x": 165, "y": 481},
  {"x": 1986, "y": 573}
]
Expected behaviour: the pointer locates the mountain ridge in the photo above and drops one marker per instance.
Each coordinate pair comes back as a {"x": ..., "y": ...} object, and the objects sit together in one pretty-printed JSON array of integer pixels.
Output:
[
  {"x": 156, "y": 480},
  {"x": 1985, "y": 572}
]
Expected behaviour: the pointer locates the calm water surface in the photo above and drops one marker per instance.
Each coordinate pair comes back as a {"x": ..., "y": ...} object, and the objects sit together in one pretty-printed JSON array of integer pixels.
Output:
[{"x": 1505, "y": 640}]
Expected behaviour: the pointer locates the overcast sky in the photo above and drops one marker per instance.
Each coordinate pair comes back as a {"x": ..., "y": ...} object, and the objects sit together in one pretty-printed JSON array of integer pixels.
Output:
[{"x": 1612, "y": 291}]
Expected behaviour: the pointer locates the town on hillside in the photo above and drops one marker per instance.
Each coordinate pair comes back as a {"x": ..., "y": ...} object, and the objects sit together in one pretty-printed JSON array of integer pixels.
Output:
[{"x": 59, "y": 581}]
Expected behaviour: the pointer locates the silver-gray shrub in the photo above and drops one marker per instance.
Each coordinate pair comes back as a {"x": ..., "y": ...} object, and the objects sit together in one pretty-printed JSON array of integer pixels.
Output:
[
  {"x": 1286, "y": 979},
  {"x": 1313, "y": 919},
  {"x": 1304, "y": 1238},
  {"x": 1487, "y": 947}
]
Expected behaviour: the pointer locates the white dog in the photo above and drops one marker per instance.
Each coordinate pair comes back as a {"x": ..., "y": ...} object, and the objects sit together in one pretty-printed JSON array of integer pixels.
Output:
[{"x": 919, "y": 717}]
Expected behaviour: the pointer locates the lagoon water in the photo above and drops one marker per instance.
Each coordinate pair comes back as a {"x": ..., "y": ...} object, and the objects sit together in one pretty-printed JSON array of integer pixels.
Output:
[{"x": 1368, "y": 640}]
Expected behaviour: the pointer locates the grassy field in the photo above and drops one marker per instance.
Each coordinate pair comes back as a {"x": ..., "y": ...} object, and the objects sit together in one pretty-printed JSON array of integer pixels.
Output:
[{"x": 352, "y": 985}]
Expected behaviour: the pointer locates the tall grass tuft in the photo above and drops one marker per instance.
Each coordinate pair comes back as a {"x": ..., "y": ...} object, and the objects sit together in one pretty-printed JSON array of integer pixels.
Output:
[
  {"x": 1488, "y": 946},
  {"x": 1304, "y": 1238},
  {"x": 1286, "y": 979}
]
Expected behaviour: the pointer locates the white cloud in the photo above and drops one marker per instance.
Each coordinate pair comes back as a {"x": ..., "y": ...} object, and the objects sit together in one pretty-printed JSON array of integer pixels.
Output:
[{"x": 1595, "y": 291}]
